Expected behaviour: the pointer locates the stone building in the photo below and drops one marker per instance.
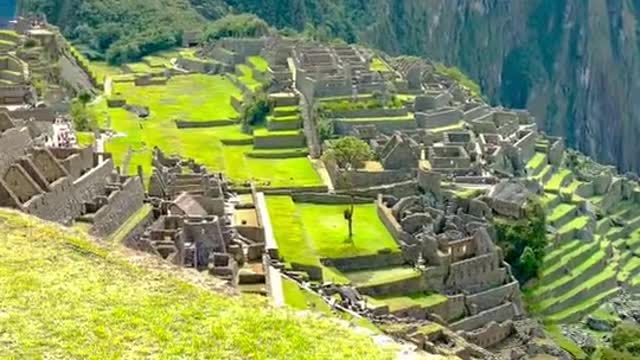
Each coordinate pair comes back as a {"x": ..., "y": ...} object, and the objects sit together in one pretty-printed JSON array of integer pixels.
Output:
[
  {"x": 200, "y": 224},
  {"x": 452, "y": 241}
]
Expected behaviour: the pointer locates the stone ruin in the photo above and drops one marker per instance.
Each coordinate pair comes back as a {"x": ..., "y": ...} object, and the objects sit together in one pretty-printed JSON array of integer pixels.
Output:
[
  {"x": 64, "y": 184},
  {"x": 452, "y": 241},
  {"x": 340, "y": 70},
  {"x": 199, "y": 223}
]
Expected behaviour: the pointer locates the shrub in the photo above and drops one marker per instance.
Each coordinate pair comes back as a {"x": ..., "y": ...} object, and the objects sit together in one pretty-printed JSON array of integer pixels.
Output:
[
  {"x": 523, "y": 242},
  {"x": 243, "y": 25}
]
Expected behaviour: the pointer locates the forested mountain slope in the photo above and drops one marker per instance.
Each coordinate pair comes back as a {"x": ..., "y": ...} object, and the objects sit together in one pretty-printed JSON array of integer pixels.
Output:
[{"x": 572, "y": 63}]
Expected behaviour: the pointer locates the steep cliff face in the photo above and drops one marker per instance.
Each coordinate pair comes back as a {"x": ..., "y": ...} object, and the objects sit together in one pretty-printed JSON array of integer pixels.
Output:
[{"x": 574, "y": 64}]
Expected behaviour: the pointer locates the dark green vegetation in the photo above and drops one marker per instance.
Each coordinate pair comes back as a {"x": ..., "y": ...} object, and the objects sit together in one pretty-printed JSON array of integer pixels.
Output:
[
  {"x": 524, "y": 242},
  {"x": 625, "y": 344},
  {"x": 64, "y": 296},
  {"x": 349, "y": 152}
]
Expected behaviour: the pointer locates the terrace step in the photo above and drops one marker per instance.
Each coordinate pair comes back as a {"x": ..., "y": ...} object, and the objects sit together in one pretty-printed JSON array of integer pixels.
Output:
[
  {"x": 537, "y": 163},
  {"x": 293, "y": 122},
  {"x": 562, "y": 214},
  {"x": 577, "y": 312},
  {"x": 602, "y": 283},
  {"x": 603, "y": 226},
  {"x": 556, "y": 250},
  {"x": 554, "y": 271},
  {"x": 286, "y": 111},
  {"x": 558, "y": 181},
  {"x": 278, "y": 153},
  {"x": 583, "y": 272}
]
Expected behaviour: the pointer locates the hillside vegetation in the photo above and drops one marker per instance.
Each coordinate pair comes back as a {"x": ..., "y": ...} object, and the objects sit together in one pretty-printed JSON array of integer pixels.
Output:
[{"x": 64, "y": 296}]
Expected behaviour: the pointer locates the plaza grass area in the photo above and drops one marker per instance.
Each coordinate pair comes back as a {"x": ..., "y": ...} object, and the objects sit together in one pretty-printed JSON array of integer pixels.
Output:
[
  {"x": 379, "y": 65},
  {"x": 306, "y": 233},
  {"x": 194, "y": 98},
  {"x": 190, "y": 98},
  {"x": 259, "y": 63},
  {"x": 64, "y": 296},
  {"x": 423, "y": 300}
]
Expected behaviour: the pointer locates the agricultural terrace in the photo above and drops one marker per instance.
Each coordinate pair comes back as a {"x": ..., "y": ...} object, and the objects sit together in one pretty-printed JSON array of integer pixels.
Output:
[
  {"x": 306, "y": 233},
  {"x": 195, "y": 98}
]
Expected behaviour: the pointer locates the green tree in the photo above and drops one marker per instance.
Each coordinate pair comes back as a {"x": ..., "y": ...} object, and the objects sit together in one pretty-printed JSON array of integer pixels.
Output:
[
  {"x": 243, "y": 25},
  {"x": 349, "y": 153},
  {"x": 84, "y": 118},
  {"x": 524, "y": 241},
  {"x": 255, "y": 111}
]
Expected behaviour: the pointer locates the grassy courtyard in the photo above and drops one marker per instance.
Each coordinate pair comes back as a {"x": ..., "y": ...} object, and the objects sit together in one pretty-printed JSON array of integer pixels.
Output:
[
  {"x": 308, "y": 232},
  {"x": 195, "y": 98}
]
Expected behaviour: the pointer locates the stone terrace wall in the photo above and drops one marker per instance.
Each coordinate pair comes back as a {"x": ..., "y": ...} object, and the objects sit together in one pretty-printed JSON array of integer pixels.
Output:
[
  {"x": 92, "y": 183},
  {"x": 58, "y": 204},
  {"x": 368, "y": 113},
  {"x": 493, "y": 333},
  {"x": 331, "y": 199},
  {"x": 438, "y": 119},
  {"x": 359, "y": 263},
  {"x": 13, "y": 143},
  {"x": 501, "y": 313},
  {"x": 345, "y": 127},
  {"x": 122, "y": 205},
  {"x": 392, "y": 225},
  {"x": 494, "y": 297}
]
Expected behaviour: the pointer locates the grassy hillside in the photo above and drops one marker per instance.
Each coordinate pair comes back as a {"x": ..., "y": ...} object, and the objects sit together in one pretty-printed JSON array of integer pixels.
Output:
[{"x": 63, "y": 296}]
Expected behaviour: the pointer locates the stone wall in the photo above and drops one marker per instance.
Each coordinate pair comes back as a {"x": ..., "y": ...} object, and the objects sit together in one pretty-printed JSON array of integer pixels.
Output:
[
  {"x": 556, "y": 151},
  {"x": 345, "y": 179},
  {"x": 391, "y": 224},
  {"x": 38, "y": 114},
  {"x": 367, "y": 113},
  {"x": 491, "y": 334},
  {"x": 345, "y": 127},
  {"x": 131, "y": 238},
  {"x": 527, "y": 145},
  {"x": 91, "y": 184},
  {"x": 481, "y": 271},
  {"x": 493, "y": 297},
  {"x": 358, "y": 263},
  {"x": 279, "y": 141},
  {"x": 438, "y": 119},
  {"x": 499, "y": 314},
  {"x": 244, "y": 47},
  {"x": 13, "y": 143},
  {"x": 405, "y": 286},
  {"x": 57, "y": 204},
  {"x": 121, "y": 206},
  {"x": 328, "y": 198}
]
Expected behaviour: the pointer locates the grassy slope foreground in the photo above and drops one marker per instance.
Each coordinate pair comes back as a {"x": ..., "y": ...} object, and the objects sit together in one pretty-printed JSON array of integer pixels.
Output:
[{"x": 63, "y": 296}]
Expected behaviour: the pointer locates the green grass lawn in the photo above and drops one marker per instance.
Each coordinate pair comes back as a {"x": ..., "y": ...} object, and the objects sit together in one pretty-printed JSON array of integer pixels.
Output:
[
  {"x": 195, "y": 98},
  {"x": 65, "y": 297},
  {"x": 424, "y": 300},
  {"x": 555, "y": 333},
  {"x": 382, "y": 276},
  {"x": 305, "y": 233},
  {"x": 247, "y": 78},
  {"x": 560, "y": 211},
  {"x": 537, "y": 160},
  {"x": 293, "y": 171},
  {"x": 325, "y": 226},
  {"x": 378, "y": 64},
  {"x": 557, "y": 179},
  {"x": 301, "y": 299},
  {"x": 259, "y": 63}
]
